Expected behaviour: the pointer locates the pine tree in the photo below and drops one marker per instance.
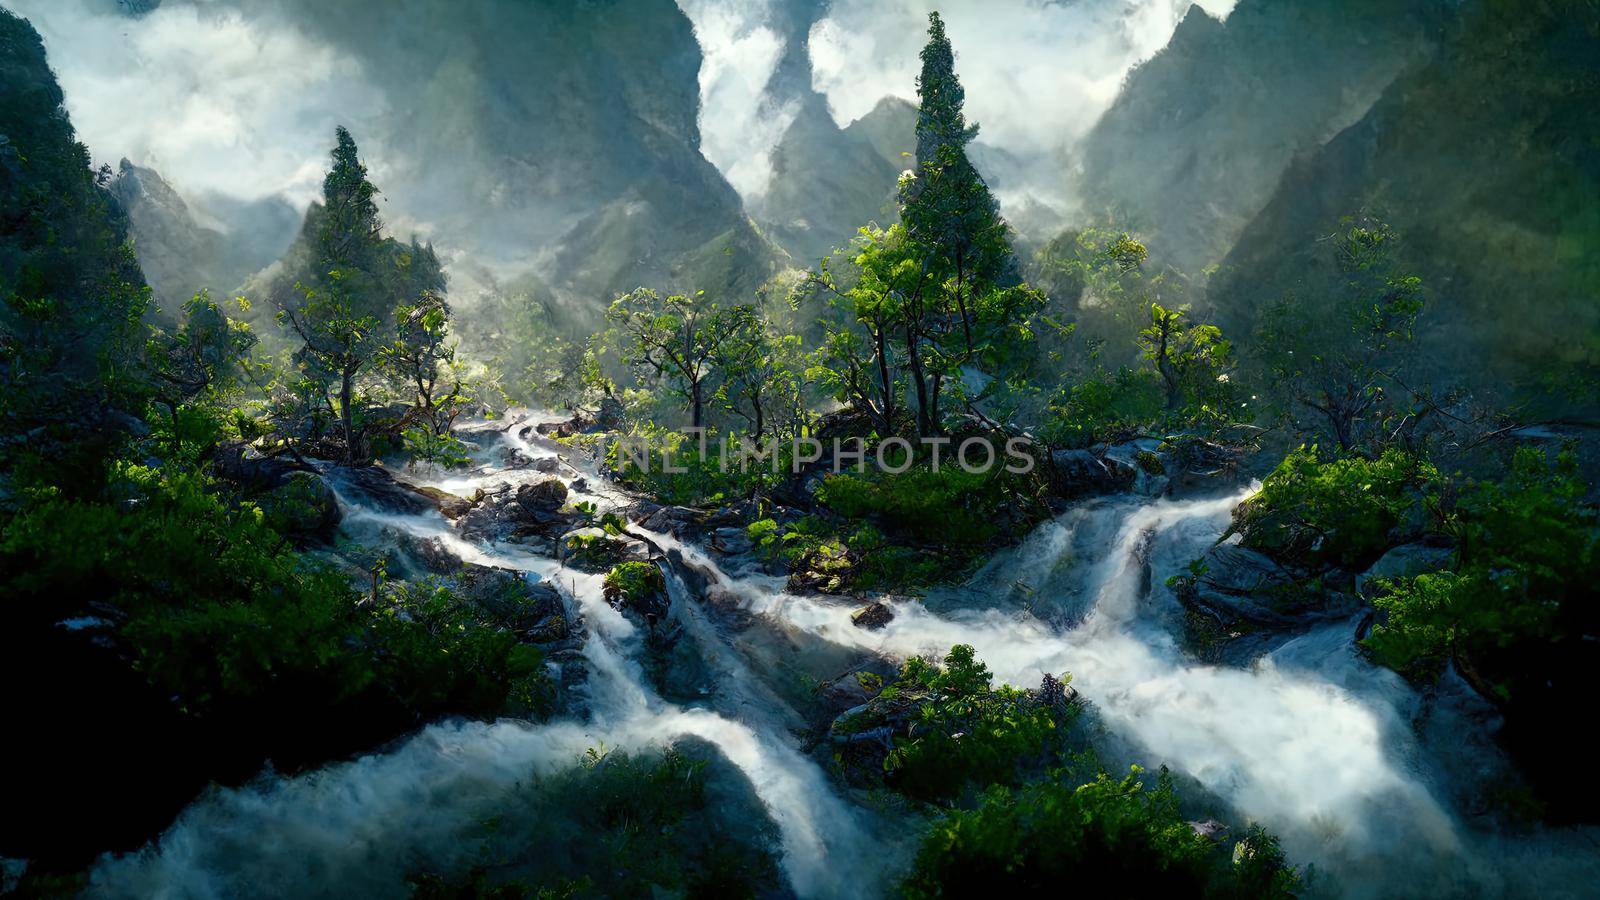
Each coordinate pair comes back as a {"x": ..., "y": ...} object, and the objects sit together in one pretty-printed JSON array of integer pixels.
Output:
[{"x": 354, "y": 286}]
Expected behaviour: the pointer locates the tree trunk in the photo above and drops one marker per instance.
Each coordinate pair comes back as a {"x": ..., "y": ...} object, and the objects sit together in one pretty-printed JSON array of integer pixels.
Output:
[
  {"x": 346, "y": 418},
  {"x": 922, "y": 388},
  {"x": 885, "y": 380},
  {"x": 694, "y": 401}
]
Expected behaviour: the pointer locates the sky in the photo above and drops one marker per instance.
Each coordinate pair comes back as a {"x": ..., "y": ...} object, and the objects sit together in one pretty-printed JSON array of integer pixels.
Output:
[{"x": 218, "y": 102}]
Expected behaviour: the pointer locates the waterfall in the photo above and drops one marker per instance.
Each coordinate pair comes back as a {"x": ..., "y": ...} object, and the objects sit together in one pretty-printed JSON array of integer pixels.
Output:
[{"x": 1310, "y": 739}]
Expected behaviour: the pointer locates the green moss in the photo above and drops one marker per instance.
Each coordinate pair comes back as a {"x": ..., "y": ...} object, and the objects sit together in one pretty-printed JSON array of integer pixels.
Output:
[{"x": 634, "y": 581}]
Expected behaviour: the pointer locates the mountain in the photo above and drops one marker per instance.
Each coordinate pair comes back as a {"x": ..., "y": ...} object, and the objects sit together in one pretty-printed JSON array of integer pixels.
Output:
[
  {"x": 180, "y": 255},
  {"x": 1484, "y": 161},
  {"x": 561, "y": 138},
  {"x": 829, "y": 181},
  {"x": 1200, "y": 134}
]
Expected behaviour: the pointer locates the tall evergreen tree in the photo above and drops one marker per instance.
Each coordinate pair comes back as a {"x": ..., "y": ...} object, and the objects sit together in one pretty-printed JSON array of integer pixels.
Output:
[
  {"x": 947, "y": 206},
  {"x": 354, "y": 282}
]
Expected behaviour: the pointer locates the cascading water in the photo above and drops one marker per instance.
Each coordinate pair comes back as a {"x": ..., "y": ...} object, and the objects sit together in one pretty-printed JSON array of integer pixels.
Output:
[{"x": 1310, "y": 740}]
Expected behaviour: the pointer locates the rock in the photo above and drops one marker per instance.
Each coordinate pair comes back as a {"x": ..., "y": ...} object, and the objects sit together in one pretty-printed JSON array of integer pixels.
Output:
[
  {"x": 450, "y": 505},
  {"x": 1210, "y": 829},
  {"x": 513, "y": 601},
  {"x": 373, "y": 486},
  {"x": 873, "y": 616},
  {"x": 730, "y": 541},
  {"x": 545, "y": 495},
  {"x": 513, "y": 458},
  {"x": 827, "y": 570},
  {"x": 1080, "y": 473},
  {"x": 1149, "y": 467},
  {"x": 530, "y": 510},
  {"x": 425, "y": 555},
  {"x": 595, "y": 550},
  {"x": 1404, "y": 561},
  {"x": 1244, "y": 586},
  {"x": 678, "y": 521},
  {"x": 546, "y": 464},
  {"x": 243, "y": 467},
  {"x": 639, "y": 588}
]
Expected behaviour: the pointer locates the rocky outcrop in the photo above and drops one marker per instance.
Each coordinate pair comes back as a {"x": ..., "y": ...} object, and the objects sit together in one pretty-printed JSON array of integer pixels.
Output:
[
  {"x": 533, "y": 509},
  {"x": 1082, "y": 473},
  {"x": 597, "y": 550},
  {"x": 1404, "y": 561},
  {"x": 1239, "y": 587},
  {"x": 873, "y": 616}
]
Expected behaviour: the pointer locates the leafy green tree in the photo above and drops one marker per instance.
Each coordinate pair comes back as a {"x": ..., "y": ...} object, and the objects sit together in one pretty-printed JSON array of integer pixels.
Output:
[
  {"x": 1193, "y": 360},
  {"x": 761, "y": 381},
  {"x": 197, "y": 369},
  {"x": 422, "y": 359},
  {"x": 1334, "y": 359},
  {"x": 1107, "y": 837},
  {"x": 355, "y": 281},
  {"x": 671, "y": 339}
]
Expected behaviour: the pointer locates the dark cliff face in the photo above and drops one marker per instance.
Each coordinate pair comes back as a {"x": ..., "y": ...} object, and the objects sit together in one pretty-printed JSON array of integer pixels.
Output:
[
  {"x": 1200, "y": 134},
  {"x": 1484, "y": 161}
]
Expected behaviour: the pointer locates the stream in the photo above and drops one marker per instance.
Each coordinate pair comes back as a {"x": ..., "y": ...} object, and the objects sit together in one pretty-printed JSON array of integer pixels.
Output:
[{"x": 1358, "y": 773}]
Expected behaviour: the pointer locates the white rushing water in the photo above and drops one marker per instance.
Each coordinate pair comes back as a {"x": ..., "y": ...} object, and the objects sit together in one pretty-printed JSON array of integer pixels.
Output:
[{"x": 1310, "y": 740}]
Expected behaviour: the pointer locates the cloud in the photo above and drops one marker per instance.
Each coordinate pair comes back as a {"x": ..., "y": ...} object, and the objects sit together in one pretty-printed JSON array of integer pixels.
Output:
[
  {"x": 211, "y": 99},
  {"x": 740, "y": 122},
  {"x": 1037, "y": 73}
]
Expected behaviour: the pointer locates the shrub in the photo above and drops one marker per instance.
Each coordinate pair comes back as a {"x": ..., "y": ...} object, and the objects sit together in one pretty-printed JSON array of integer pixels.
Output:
[
  {"x": 634, "y": 580},
  {"x": 951, "y": 728},
  {"x": 1342, "y": 512},
  {"x": 675, "y": 823},
  {"x": 1109, "y": 837}
]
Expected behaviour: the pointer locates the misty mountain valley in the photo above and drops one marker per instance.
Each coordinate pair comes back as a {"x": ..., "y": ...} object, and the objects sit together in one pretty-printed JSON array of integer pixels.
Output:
[{"x": 799, "y": 448}]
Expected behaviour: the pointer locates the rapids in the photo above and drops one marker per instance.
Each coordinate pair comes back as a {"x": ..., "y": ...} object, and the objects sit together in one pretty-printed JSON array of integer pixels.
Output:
[{"x": 1309, "y": 739}]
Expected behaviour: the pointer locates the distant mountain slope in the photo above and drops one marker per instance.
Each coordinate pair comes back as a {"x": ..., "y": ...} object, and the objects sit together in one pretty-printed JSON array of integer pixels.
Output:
[
  {"x": 181, "y": 255},
  {"x": 1195, "y": 143},
  {"x": 561, "y": 137},
  {"x": 828, "y": 181},
  {"x": 1487, "y": 162}
]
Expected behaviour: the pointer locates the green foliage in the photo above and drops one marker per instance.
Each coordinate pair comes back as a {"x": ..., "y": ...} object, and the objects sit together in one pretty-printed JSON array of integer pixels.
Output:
[
  {"x": 1527, "y": 548},
  {"x": 676, "y": 472},
  {"x": 439, "y": 651},
  {"x": 1192, "y": 359},
  {"x": 71, "y": 294},
  {"x": 1342, "y": 512},
  {"x": 1333, "y": 359},
  {"x": 219, "y": 613},
  {"x": 426, "y": 445},
  {"x": 671, "y": 340},
  {"x": 622, "y": 825},
  {"x": 1103, "y": 408},
  {"x": 1111, "y": 837},
  {"x": 634, "y": 580},
  {"x": 362, "y": 300},
  {"x": 950, "y": 507},
  {"x": 952, "y": 728}
]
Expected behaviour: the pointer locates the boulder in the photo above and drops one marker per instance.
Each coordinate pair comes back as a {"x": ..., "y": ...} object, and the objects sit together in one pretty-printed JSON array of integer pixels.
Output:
[
  {"x": 374, "y": 487},
  {"x": 1404, "y": 561},
  {"x": 595, "y": 550},
  {"x": 1240, "y": 586},
  {"x": 873, "y": 616},
  {"x": 448, "y": 504},
  {"x": 515, "y": 601},
  {"x": 678, "y": 521},
  {"x": 546, "y": 464},
  {"x": 528, "y": 510},
  {"x": 1080, "y": 473},
  {"x": 638, "y": 588},
  {"x": 422, "y": 556}
]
